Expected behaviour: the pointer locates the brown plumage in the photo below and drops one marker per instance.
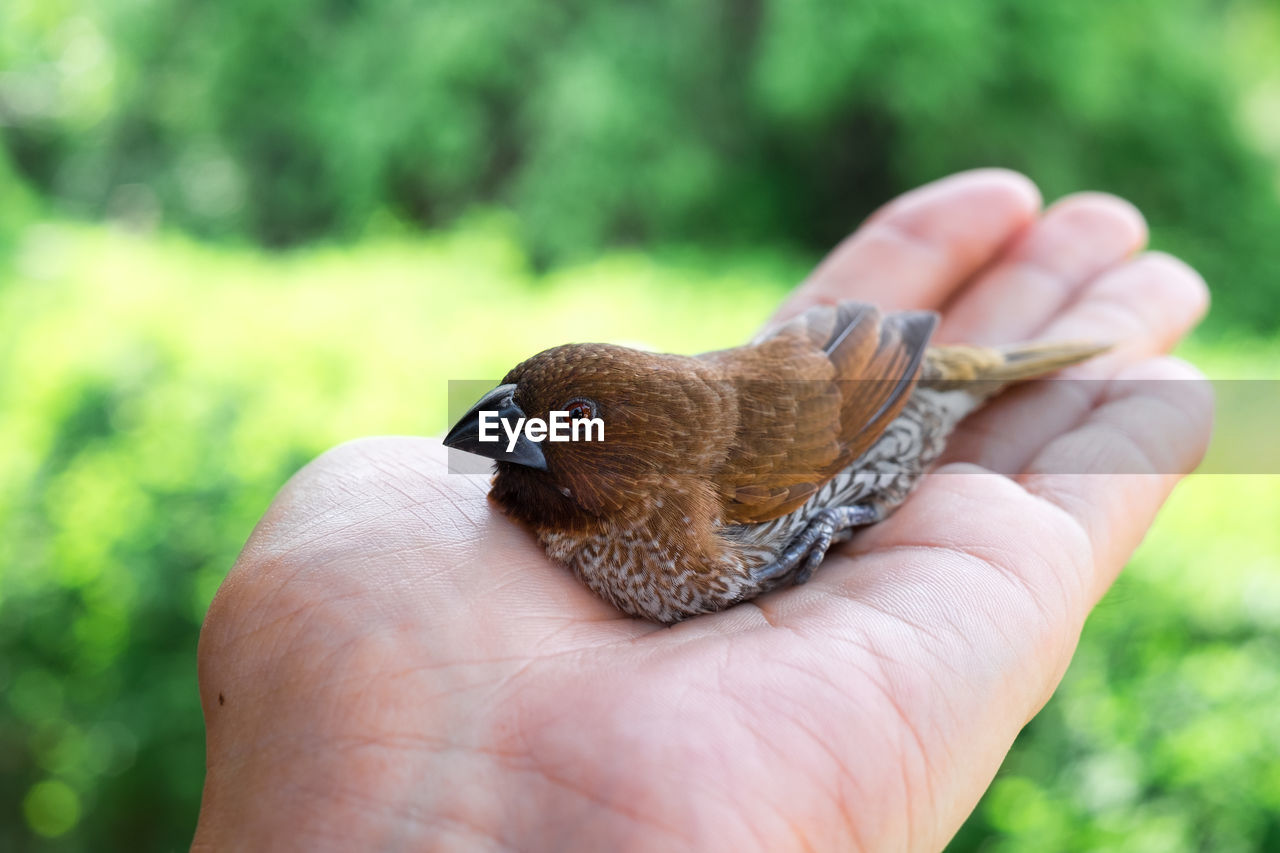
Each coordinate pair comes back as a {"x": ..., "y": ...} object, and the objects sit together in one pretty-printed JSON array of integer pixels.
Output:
[{"x": 727, "y": 474}]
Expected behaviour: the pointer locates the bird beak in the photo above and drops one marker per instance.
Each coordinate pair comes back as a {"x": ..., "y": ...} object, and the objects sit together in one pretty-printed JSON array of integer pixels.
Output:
[{"x": 465, "y": 434}]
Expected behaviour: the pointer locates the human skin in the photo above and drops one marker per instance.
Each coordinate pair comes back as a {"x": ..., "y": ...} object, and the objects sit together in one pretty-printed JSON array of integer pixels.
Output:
[{"x": 392, "y": 664}]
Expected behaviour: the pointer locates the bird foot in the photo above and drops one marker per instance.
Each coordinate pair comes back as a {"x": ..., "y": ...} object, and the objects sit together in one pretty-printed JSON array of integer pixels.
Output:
[{"x": 806, "y": 551}]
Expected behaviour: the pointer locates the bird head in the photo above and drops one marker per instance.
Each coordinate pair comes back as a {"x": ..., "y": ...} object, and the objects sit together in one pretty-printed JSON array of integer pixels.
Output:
[{"x": 635, "y": 421}]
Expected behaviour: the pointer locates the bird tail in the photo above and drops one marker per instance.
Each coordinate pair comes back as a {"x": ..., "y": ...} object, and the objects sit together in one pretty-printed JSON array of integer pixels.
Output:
[
  {"x": 994, "y": 367},
  {"x": 1024, "y": 361}
]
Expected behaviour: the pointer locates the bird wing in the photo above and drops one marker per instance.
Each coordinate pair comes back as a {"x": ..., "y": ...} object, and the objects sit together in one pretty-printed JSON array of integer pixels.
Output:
[{"x": 813, "y": 396}]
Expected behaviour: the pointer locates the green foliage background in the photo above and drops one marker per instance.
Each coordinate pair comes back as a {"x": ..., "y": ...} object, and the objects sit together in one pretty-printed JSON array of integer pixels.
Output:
[{"x": 233, "y": 234}]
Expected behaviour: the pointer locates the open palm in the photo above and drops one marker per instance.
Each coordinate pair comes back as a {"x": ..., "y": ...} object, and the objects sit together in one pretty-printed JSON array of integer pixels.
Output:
[{"x": 394, "y": 665}]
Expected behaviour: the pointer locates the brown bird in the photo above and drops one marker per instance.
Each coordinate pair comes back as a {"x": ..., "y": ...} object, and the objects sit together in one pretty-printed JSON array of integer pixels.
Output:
[{"x": 724, "y": 475}]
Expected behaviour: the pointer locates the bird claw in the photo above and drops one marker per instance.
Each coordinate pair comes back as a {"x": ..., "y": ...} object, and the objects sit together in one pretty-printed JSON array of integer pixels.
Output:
[
  {"x": 817, "y": 553},
  {"x": 807, "y": 550}
]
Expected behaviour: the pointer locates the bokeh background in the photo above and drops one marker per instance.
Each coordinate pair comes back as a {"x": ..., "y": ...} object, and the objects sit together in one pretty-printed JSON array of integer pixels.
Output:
[{"x": 234, "y": 234}]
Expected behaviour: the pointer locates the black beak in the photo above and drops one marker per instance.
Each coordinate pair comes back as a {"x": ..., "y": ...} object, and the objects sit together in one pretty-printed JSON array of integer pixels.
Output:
[{"x": 465, "y": 434}]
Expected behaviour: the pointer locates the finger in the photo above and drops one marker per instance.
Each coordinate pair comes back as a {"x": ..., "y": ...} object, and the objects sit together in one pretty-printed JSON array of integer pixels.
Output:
[
  {"x": 923, "y": 245},
  {"x": 1145, "y": 306},
  {"x": 1115, "y": 470},
  {"x": 1141, "y": 309},
  {"x": 1077, "y": 239}
]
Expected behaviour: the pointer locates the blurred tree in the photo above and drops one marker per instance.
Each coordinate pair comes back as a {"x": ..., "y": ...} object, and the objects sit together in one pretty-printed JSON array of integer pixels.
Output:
[
  {"x": 727, "y": 122},
  {"x": 18, "y": 207}
]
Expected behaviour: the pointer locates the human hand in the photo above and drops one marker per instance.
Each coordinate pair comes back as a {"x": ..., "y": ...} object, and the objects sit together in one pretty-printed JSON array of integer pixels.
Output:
[{"x": 393, "y": 664}]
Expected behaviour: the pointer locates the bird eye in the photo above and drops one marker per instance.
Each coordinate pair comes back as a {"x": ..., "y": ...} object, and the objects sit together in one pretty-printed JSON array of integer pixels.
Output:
[{"x": 580, "y": 409}]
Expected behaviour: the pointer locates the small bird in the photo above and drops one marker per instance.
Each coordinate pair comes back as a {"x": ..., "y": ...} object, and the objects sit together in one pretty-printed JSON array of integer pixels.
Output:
[{"x": 724, "y": 475}]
